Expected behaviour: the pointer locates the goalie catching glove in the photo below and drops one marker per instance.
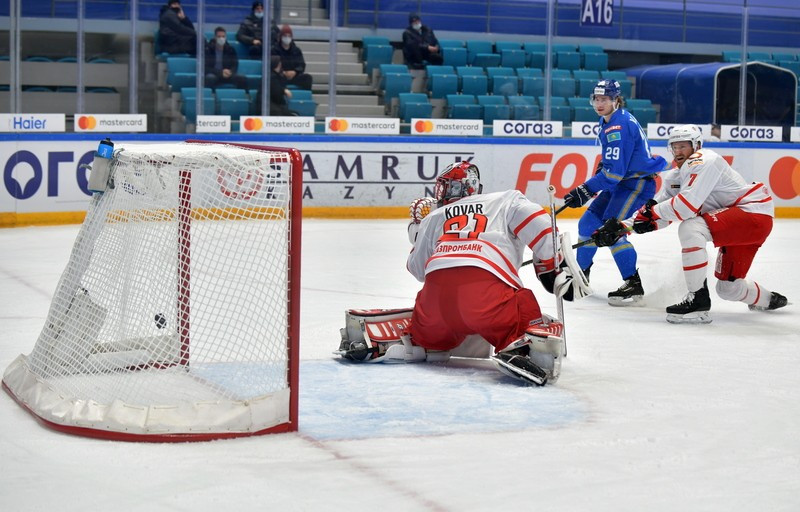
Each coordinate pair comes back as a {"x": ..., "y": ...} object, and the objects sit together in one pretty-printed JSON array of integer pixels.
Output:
[
  {"x": 419, "y": 209},
  {"x": 569, "y": 282}
]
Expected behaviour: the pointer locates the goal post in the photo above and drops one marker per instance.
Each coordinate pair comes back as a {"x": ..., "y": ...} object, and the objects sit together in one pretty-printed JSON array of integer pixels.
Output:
[{"x": 177, "y": 316}]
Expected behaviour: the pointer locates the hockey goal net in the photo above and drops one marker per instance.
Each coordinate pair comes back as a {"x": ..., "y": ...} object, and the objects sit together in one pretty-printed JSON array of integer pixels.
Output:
[{"x": 177, "y": 315}]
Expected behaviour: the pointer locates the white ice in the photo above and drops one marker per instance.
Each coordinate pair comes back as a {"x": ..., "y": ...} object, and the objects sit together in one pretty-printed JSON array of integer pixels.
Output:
[{"x": 647, "y": 416}]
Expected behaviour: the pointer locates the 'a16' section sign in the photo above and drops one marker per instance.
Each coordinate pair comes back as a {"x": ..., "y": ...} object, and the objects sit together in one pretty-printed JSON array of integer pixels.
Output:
[{"x": 598, "y": 13}]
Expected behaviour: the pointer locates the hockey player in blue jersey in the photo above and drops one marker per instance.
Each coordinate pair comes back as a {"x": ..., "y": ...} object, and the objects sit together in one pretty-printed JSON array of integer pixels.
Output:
[{"x": 622, "y": 184}]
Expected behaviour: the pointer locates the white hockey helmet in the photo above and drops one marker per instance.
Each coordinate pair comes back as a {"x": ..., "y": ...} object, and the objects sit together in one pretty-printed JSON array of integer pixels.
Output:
[
  {"x": 459, "y": 179},
  {"x": 689, "y": 132}
]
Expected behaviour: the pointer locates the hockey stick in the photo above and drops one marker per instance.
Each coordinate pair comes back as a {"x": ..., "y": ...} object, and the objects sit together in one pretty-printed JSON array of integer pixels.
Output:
[{"x": 551, "y": 191}]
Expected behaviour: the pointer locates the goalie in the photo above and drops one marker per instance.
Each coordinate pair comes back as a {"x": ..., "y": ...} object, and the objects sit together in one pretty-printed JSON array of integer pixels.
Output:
[{"x": 468, "y": 248}]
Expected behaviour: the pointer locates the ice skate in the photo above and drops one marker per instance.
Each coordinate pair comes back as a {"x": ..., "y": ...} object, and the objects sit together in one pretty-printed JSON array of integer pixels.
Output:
[
  {"x": 694, "y": 309},
  {"x": 776, "y": 300},
  {"x": 630, "y": 293},
  {"x": 516, "y": 363}
]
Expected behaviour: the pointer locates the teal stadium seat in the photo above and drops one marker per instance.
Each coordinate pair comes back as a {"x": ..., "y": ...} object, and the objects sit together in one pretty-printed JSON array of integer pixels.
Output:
[
  {"x": 535, "y": 59},
  {"x": 475, "y": 47},
  {"x": 375, "y": 55},
  {"x": 414, "y": 105},
  {"x": 590, "y": 48},
  {"x": 524, "y": 108},
  {"x": 451, "y": 43},
  {"x": 252, "y": 71},
  {"x": 499, "y": 46},
  {"x": 486, "y": 60},
  {"x": 395, "y": 79},
  {"x": 561, "y": 113},
  {"x": 505, "y": 85},
  {"x": 512, "y": 58},
  {"x": 645, "y": 115},
  {"x": 777, "y": 56},
  {"x": 454, "y": 56},
  {"x": 761, "y": 56},
  {"x": 523, "y": 72},
  {"x": 585, "y": 87},
  {"x": 534, "y": 47},
  {"x": 494, "y": 107},
  {"x": 595, "y": 61},
  {"x": 586, "y": 73},
  {"x": 442, "y": 80},
  {"x": 731, "y": 56},
  {"x": 463, "y": 106},
  {"x": 234, "y": 107},
  {"x": 584, "y": 113},
  {"x": 532, "y": 86},
  {"x": 562, "y": 86},
  {"x": 188, "y": 103},
  {"x": 568, "y": 60},
  {"x": 472, "y": 80},
  {"x": 306, "y": 108},
  {"x": 183, "y": 65}
]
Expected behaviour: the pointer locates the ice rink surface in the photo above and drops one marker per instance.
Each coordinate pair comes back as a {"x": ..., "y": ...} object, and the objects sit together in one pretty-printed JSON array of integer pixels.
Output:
[{"x": 647, "y": 416}]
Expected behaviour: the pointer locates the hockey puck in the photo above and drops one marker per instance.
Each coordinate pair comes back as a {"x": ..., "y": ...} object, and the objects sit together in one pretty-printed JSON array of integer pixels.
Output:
[{"x": 161, "y": 320}]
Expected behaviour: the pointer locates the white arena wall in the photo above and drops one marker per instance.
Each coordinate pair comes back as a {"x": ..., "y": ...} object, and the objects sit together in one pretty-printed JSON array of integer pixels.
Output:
[{"x": 362, "y": 177}]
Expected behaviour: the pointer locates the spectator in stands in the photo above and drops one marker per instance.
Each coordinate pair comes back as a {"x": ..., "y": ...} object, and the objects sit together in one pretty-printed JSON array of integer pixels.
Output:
[
  {"x": 420, "y": 46},
  {"x": 716, "y": 132},
  {"x": 175, "y": 30},
  {"x": 278, "y": 93},
  {"x": 251, "y": 31},
  {"x": 292, "y": 61},
  {"x": 222, "y": 62}
]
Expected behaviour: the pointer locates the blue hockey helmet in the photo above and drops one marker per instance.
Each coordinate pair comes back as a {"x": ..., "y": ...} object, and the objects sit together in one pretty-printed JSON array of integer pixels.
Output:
[{"x": 610, "y": 88}]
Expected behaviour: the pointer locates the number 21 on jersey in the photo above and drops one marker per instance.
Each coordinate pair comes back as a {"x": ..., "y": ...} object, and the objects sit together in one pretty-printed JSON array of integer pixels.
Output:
[{"x": 464, "y": 226}]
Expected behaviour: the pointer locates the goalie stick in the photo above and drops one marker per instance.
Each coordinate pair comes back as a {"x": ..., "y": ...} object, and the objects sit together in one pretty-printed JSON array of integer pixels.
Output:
[
  {"x": 588, "y": 241},
  {"x": 551, "y": 191}
]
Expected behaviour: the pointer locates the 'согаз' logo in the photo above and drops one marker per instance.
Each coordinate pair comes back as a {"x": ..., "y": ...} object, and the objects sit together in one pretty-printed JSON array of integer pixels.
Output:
[
  {"x": 253, "y": 124},
  {"x": 87, "y": 122},
  {"x": 784, "y": 177},
  {"x": 338, "y": 125},
  {"x": 423, "y": 126}
]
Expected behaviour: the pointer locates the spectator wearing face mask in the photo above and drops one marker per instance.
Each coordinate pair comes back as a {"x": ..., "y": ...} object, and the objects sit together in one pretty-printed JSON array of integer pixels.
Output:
[
  {"x": 175, "y": 30},
  {"x": 222, "y": 62},
  {"x": 251, "y": 31},
  {"x": 420, "y": 46},
  {"x": 292, "y": 61}
]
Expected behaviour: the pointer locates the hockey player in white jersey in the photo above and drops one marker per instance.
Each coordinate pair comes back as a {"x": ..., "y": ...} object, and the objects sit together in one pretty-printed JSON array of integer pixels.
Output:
[
  {"x": 467, "y": 252},
  {"x": 713, "y": 203}
]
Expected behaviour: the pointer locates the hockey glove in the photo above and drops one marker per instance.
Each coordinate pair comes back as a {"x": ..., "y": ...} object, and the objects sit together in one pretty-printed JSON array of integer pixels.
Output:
[
  {"x": 578, "y": 196},
  {"x": 420, "y": 208},
  {"x": 645, "y": 220},
  {"x": 546, "y": 274},
  {"x": 609, "y": 233}
]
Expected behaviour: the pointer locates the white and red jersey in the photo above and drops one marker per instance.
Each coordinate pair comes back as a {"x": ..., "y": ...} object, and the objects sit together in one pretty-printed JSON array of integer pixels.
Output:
[
  {"x": 489, "y": 231},
  {"x": 706, "y": 183}
]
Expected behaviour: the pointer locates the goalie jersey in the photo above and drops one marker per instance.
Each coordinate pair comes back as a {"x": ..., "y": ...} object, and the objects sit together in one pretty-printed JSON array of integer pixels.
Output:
[
  {"x": 706, "y": 183},
  {"x": 489, "y": 231}
]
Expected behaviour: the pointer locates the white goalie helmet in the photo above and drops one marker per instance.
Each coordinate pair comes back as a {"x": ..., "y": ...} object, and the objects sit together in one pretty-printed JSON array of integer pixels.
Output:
[
  {"x": 688, "y": 132},
  {"x": 459, "y": 179}
]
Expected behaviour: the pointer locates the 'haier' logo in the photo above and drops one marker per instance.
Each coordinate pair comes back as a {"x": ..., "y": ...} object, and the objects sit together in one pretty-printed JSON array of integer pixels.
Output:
[{"x": 32, "y": 122}]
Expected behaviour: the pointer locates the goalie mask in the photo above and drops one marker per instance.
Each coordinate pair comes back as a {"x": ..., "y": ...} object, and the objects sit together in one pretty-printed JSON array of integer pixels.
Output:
[
  {"x": 459, "y": 179},
  {"x": 687, "y": 132}
]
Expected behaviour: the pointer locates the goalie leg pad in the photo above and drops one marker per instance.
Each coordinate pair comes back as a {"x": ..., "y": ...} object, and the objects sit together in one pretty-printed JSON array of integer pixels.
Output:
[{"x": 378, "y": 335}]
